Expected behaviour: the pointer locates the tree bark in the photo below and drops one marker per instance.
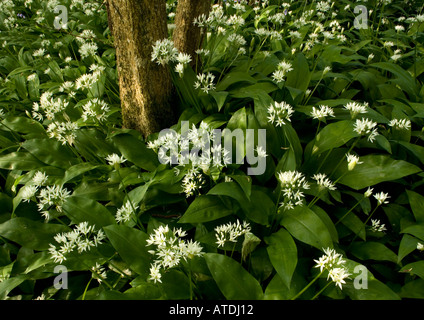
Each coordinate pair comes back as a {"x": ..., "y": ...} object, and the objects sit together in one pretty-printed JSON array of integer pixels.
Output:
[
  {"x": 145, "y": 88},
  {"x": 188, "y": 37}
]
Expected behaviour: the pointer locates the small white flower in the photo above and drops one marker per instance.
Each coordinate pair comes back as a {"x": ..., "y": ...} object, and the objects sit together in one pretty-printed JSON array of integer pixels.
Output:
[
  {"x": 377, "y": 226},
  {"x": 355, "y": 108},
  {"x": 115, "y": 160},
  {"x": 420, "y": 246},
  {"x": 164, "y": 52},
  {"x": 40, "y": 178},
  {"x": 322, "y": 112},
  {"x": 368, "y": 193},
  {"x": 28, "y": 192},
  {"x": 400, "y": 124},
  {"x": 278, "y": 113},
  {"x": 352, "y": 161},
  {"x": 366, "y": 127},
  {"x": 382, "y": 198},
  {"x": 323, "y": 182},
  {"x": 205, "y": 82}
]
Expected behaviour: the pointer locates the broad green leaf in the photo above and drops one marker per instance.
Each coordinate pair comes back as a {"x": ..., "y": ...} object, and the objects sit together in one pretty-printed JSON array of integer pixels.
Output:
[
  {"x": 372, "y": 251},
  {"x": 175, "y": 285},
  {"x": 260, "y": 208},
  {"x": 417, "y": 205},
  {"x": 300, "y": 77},
  {"x": 374, "y": 290},
  {"x": 8, "y": 285},
  {"x": 333, "y": 136},
  {"x": 136, "y": 151},
  {"x": 205, "y": 208},
  {"x": 376, "y": 169},
  {"x": 245, "y": 183},
  {"x": 406, "y": 246},
  {"x": 24, "y": 125},
  {"x": 81, "y": 209},
  {"x": 130, "y": 243},
  {"x": 416, "y": 230},
  {"x": 413, "y": 290},
  {"x": 78, "y": 170},
  {"x": 282, "y": 252},
  {"x": 51, "y": 152},
  {"x": 304, "y": 225},
  {"x": 230, "y": 189},
  {"x": 232, "y": 279},
  {"x": 31, "y": 234},
  {"x": 20, "y": 161},
  {"x": 414, "y": 268},
  {"x": 250, "y": 243},
  {"x": 233, "y": 78},
  {"x": 416, "y": 150}
]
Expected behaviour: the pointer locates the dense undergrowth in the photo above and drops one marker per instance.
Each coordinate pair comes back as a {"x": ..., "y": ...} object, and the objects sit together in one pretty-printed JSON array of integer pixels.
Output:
[{"x": 337, "y": 213}]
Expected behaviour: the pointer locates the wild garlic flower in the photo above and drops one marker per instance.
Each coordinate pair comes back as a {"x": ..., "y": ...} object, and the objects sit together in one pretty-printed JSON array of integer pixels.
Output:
[
  {"x": 86, "y": 81},
  {"x": 48, "y": 107},
  {"x": 205, "y": 82},
  {"x": 115, "y": 160},
  {"x": 322, "y": 113},
  {"x": 400, "y": 124},
  {"x": 283, "y": 68},
  {"x": 28, "y": 192},
  {"x": 382, "y": 198},
  {"x": 52, "y": 197},
  {"x": 352, "y": 161},
  {"x": 278, "y": 113},
  {"x": 82, "y": 238},
  {"x": 368, "y": 193},
  {"x": 323, "y": 182},
  {"x": 355, "y": 108},
  {"x": 95, "y": 110},
  {"x": 125, "y": 213},
  {"x": 99, "y": 272},
  {"x": 333, "y": 262},
  {"x": 377, "y": 226},
  {"x": 164, "y": 51},
  {"x": 230, "y": 232},
  {"x": 64, "y": 132},
  {"x": 39, "y": 178},
  {"x": 170, "y": 249},
  {"x": 88, "y": 49},
  {"x": 420, "y": 246},
  {"x": 366, "y": 127},
  {"x": 192, "y": 182},
  {"x": 293, "y": 184}
]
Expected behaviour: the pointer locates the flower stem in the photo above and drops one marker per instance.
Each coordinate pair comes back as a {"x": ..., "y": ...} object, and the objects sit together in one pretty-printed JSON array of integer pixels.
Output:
[
  {"x": 307, "y": 287},
  {"x": 321, "y": 291}
]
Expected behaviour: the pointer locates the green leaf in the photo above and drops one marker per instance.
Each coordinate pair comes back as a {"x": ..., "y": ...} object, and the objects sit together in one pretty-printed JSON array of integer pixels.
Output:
[
  {"x": 205, "y": 208},
  {"x": 81, "y": 209},
  {"x": 417, "y": 205},
  {"x": 20, "y": 161},
  {"x": 300, "y": 77},
  {"x": 77, "y": 170},
  {"x": 282, "y": 252},
  {"x": 136, "y": 151},
  {"x": 414, "y": 268},
  {"x": 416, "y": 230},
  {"x": 51, "y": 152},
  {"x": 24, "y": 125},
  {"x": 307, "y": 227},
  {"x": 131, "y": 245},
  {"x": 406, "y": 246},
  {"x": 375, "y": 169},
  {"x": 232, "y": 279},
  {"x": 233, "y": 78},
  {"x": 413, "y": 290},
  {"x": 250, "y": 243},
  {"x": 373, "y": 251},
  {"x": 333, "y": 136},
  {"x": 31, "y": 234}
]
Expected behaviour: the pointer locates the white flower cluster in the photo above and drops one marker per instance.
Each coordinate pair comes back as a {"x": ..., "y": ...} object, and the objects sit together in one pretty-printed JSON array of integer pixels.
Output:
[
  {"x": 95, "y": 110},
  {"x": 198, "y": 148},
  {"x": 170, "y": 250},
  {"x": 377, "y": 226},
  {"x": 278, "y": 113},
  {"x": 356, "y": 108},
  {"x": 164, "y": 52},
  {"x": 49, "y": 197},
  {"x": 205, "y": 82},
  {"x": 352, "y": 161},
  {"x": 87, "y": 46},
  {"x": 283, "y": 68},
  {"x": 323, "y": 182},
  {"x": 382, "y": 198},
  {"x": 82, "y": 238},
  {"x": 366, "y": 127},
  {"x": 64, "y": 132},
  {"x": 400, "y": 124},
  {"x": 230, "y": 232},
  {"x": 293, "y": 183},
  {"x": 333, "y": 262},
  {"x": 125, "y": 213},
  {"x": 48, "y": 107},
  {"x": 322, "y": 113}
]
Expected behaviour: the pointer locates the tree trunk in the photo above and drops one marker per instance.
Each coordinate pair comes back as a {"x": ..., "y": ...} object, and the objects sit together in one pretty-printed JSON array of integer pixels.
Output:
[
  {"x": 145, "y": 87},
  {"x": 188, "y": 37}
]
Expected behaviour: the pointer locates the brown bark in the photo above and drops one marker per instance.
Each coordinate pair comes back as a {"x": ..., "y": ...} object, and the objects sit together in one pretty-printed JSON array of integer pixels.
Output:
[
  {"x": 145, "y": 87},
  {"x": 188, "y": 37}
]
